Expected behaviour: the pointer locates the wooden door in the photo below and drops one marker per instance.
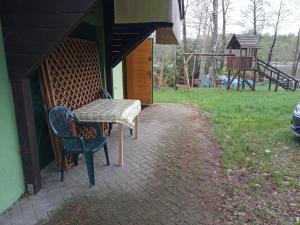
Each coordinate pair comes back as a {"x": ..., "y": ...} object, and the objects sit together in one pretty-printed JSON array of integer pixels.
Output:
[{"x": 139, "y": 73}]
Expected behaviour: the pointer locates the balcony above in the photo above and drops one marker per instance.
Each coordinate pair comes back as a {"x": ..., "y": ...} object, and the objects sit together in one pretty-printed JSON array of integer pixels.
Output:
[{"x": 145, "y": 11}]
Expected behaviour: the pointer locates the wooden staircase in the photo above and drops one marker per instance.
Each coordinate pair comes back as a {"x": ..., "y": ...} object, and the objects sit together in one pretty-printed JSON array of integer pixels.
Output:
[
  {"x": 125, "y": 37},
  {"x": 279, "y": 78}
]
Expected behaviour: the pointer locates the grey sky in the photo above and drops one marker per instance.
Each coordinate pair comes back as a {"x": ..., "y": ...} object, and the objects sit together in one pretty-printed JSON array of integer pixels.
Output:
[{"x": 291, "y": 25}]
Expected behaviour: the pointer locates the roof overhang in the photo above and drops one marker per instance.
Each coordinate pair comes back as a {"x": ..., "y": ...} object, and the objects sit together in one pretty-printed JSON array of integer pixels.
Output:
[
  {"x": 145, "y": 11},
  {"x": 243, "y": 42}
]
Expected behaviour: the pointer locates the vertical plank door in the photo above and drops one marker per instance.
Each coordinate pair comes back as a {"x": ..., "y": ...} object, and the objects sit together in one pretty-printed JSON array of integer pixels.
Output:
[{"x": 139, "y": 73}]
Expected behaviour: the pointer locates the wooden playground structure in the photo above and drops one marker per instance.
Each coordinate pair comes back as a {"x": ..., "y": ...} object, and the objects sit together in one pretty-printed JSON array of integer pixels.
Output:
[
  {"x": 243, "y": 66},
  {"x": 237, "y": 66},
  {"x": 186, "y": 59}
]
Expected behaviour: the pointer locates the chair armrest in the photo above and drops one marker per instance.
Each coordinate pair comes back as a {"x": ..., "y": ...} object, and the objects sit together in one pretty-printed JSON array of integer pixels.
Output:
[{"x": 96, "y": 126}]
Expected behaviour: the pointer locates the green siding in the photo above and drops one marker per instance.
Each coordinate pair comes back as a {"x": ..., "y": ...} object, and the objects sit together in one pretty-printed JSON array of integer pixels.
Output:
[
  {"x": 118, "y": 81},
  {"x": 142, "y": 11},
  {"x": 11, "y": 173}
]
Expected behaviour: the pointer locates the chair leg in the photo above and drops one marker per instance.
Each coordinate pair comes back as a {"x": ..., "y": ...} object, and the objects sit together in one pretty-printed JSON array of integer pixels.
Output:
[
  {"x": 62, "y": 166},
  {"x": 110, "y": 125},
  {"x": 106, "y": 154},
  {"x": 76, "y": 156},
  {"x": 90, "y": 167}
]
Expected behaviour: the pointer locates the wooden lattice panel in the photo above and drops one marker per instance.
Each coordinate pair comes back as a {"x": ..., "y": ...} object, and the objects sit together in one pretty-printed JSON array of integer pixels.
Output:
[
  {"x": 74, "y": 73},
  {"x": 71, "y": 76}
]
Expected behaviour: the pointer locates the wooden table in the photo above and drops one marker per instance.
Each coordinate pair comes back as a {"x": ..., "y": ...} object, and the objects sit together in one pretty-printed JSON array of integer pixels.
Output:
[{"x": 122, "y": 112}]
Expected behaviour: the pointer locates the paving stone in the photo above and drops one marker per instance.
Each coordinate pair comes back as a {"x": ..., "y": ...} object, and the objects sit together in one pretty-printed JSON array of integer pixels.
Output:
[{"x": 160, "y": 183}]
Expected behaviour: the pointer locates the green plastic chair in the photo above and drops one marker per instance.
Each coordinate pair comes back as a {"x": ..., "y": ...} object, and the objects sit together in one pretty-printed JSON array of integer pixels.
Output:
[{"x": 60, "y": 118}]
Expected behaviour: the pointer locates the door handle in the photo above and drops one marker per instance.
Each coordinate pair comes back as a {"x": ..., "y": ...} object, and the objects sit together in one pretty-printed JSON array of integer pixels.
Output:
[{"x": 150, "y": 74}]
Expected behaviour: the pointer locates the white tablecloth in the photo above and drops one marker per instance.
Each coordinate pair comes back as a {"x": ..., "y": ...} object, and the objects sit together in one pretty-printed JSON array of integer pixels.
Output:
[{"x": 110, "y": 110}]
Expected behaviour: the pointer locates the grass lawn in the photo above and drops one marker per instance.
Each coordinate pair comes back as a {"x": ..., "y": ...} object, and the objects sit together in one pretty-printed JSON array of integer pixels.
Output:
[{"x": 253, "y": 130}]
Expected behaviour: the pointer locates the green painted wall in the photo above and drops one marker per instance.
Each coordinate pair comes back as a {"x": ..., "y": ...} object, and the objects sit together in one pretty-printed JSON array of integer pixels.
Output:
[
  {"x": 11, "y": 173},
  {"x": 118, "y": 81},
  {"x": 142, "y": 11}
]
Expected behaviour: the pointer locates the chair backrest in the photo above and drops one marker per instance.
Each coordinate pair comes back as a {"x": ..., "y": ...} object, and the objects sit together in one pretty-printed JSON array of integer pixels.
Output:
[
  {"x": 105, "y": 94},
  {"x": 60, "y": 118}
]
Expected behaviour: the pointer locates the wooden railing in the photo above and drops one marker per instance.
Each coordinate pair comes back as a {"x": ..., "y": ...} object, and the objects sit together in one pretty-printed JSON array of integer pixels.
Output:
[
  {"x": 239, "y": 63},
  {"x": 276, "y": 76}
]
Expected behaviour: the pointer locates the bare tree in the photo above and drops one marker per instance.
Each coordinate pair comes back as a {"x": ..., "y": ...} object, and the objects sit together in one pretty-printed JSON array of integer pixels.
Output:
[
  {"x": 256, "y": 10},
  {"x": 201, "y": 22},
  {"x": 281, "y": 15},
  {"x": 296, "y": 56},
  {"x": 225, "y": 7},
  {"x": 162, "y": 66},
  {"x": 213, "y": 68},
  {"x": 184, "y": 37},
  {"x": 198, "y": 15}
]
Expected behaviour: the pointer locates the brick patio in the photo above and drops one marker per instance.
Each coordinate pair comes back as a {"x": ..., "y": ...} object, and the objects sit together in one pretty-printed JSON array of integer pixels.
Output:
[{"x": 163, "y": 181}]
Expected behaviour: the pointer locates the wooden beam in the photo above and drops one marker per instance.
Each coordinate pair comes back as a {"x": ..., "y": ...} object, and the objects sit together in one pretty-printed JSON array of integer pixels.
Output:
[
  {"x": 121, "y": 143},
  {"x": 27, "y": 135},
  {"x": 207, "y": 54},
  {"x": 132, "y": 26},
  {"x": 276, "y": 83},
  {"x": 230, "y": 83},
  {"x": 295, "y": 85},
  {"x": 183, "y": 86},
  {"x": 229, "y": 71},
  {"x": 125, "y": 36},
  {"x": 247, "y": 82},
  {"x": 187, "y": 58},
  {"x": 254, "y": 80},
  {"x": 148, "y": 29},
  {"x": 194, "y": 64},
  {"x": 270, "y": 83},
  {"x": 108, "y": 21},
  {"x": 136, "y": 127},
  {"x": 243, "y": 78},
  {"x": 228, "y": 80}
]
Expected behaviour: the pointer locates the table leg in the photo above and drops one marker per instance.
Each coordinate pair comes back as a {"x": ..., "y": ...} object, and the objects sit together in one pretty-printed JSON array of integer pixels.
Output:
[
  {"x": 102, "y": 129},
  {"x": 136, "y": 127},
  {"x": 121, "y": 144}
]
